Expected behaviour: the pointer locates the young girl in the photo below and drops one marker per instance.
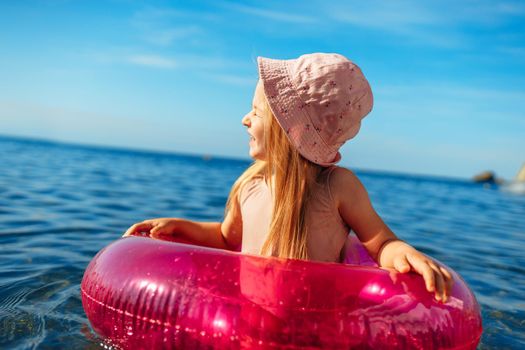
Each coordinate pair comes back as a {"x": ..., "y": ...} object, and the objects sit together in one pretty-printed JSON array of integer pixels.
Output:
[{"x": 292, "y": 202}]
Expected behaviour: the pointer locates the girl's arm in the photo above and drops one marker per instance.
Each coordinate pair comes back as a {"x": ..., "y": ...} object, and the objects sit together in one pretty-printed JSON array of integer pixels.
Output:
[
  {"x": 382, "y": 244},
  {"x": 225, "y": 235}
]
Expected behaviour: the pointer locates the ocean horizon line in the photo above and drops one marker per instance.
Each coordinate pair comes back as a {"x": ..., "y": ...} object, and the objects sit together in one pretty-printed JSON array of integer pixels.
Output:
[{"x": 210, "y": 156}]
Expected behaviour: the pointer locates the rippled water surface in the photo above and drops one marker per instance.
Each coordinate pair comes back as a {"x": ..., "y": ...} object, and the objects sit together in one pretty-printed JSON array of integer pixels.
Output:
[{"x": 60, "y": 204}]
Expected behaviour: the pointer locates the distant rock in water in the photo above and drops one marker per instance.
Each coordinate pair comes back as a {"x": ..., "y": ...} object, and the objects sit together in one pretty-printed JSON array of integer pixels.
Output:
[{"x": 487, "y": 177}]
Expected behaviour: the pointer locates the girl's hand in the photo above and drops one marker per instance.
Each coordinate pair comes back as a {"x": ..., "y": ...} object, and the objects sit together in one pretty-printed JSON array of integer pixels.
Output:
[
  {"x": 358, "y": 213},
  {"x": 154, "y": 227},
  {"x": 437, "y": 278}
]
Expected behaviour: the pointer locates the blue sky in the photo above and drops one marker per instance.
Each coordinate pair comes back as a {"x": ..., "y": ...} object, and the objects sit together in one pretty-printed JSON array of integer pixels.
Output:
[{"x": 448, "y": 76}]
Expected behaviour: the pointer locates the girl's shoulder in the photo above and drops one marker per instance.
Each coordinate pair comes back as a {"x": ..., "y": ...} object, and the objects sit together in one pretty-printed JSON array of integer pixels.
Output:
[
  {"x": 340, "y": 175},
  {"x": 343, "y": 182},
  {"x": 250, "y": 187},
  {"x": 250, "y": 182}
]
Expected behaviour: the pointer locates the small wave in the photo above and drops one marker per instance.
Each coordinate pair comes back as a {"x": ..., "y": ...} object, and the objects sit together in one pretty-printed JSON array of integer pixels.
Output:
[{"x": 9, "y": 302}]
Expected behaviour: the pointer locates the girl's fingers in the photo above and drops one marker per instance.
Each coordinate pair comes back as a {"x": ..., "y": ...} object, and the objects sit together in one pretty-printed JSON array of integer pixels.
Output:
[
  {"x": 142, "y": 226},
  {"x": 437, "y": 278},
  {"x": 401, "y": 264},
  {"x": 155, "y": 234},
  {"x": 445, "y": 272},
  {"x": 157, "y": 231},
  {"x": 130, "y": 231},
  {"x": 421, "y": 267},
  {"x": 449, "y": 281},
  {"x": 440, "y": 283}
]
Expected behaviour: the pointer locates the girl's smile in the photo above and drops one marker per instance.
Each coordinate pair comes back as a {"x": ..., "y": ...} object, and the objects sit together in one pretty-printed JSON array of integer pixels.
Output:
[{"x": 254, "y": 121}]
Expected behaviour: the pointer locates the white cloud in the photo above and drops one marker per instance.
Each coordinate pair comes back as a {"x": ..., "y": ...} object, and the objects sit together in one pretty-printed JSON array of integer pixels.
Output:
[
  {"x": 429, "y": 23},
  {"x": 167, "y": 36},
  {"x": 387, "y": 15},
  {"x": 415, "y": 20},
  {"x": 392, "y": 15},
  {"x": 167, "y": 26},
  {"x": 275, "y": 15},
  {"x": 149, "y": 15},
  {"x": 155, "y": 61},
  {"x": 207, "y": 62},
  {"x": 504, "y": 8},
  {"x": 130, "y": 55}
]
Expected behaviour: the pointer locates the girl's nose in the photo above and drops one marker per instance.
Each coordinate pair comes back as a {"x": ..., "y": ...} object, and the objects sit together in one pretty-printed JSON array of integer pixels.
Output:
[{"x": 246, "y": 120}]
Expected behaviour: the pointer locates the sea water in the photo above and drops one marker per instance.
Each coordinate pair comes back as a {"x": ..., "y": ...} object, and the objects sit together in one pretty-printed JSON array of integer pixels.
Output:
[{"x": 60, "y": 204}]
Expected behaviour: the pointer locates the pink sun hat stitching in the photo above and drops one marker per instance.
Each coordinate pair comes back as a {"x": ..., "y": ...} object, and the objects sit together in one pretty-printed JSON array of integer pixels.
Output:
[{"x": 319, "y": 100}]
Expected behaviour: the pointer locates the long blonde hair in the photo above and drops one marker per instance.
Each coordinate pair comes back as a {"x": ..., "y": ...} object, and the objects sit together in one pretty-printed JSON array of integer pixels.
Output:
[{"x": 290, "y": 178}]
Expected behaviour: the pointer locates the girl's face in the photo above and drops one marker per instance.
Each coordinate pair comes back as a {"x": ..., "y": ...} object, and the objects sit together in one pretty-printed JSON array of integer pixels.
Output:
[{"x": 254, "y": 121}]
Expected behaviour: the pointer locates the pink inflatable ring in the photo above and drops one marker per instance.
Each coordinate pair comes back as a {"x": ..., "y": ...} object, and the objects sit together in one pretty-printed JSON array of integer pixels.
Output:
[{"x": 141, "y": 293}]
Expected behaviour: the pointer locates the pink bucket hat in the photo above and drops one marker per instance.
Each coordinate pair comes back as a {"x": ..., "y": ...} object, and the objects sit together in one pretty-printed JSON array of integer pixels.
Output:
[{"x": 318, "y": 99}]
